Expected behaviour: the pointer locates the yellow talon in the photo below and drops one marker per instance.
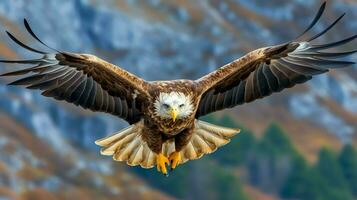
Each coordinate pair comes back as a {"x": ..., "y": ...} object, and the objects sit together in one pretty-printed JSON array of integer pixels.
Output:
[
  {"x": 161, "y": 162},
  {"x": 175, "y": 159}
]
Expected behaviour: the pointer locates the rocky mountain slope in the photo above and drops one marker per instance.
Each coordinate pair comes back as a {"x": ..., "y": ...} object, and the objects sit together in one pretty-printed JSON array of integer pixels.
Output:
[{"x": 31, "y": 168}]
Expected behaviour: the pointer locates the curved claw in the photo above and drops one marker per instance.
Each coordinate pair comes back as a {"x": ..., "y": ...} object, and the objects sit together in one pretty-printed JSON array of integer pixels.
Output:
[
  {"x": 161, "y": 162},
  {"x": 175, "y": 159}
]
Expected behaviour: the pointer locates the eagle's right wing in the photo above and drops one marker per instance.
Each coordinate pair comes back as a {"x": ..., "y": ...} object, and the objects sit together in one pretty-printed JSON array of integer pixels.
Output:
[
  {"x": 82, "y": 79},
  {"x": 269, "y": 70}
]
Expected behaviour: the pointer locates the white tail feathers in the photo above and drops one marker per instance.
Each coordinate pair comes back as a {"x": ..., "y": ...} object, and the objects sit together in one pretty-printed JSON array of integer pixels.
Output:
[
  {"x": 206, "y": 139},
  {"x": 128, "y": 145}
]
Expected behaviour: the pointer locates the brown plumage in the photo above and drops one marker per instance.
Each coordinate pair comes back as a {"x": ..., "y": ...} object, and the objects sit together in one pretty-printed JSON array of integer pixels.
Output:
[{"x": 151, "y": 108}]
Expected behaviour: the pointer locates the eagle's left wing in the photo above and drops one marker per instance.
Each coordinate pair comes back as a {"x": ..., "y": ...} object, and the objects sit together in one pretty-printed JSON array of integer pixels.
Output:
[
  {"x": 268, "y": 70},
  {"x": 83, "y": 80}
]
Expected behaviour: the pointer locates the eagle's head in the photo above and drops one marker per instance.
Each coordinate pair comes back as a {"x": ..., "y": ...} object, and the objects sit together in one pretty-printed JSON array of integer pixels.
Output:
[{"x": 173, "y": 105}]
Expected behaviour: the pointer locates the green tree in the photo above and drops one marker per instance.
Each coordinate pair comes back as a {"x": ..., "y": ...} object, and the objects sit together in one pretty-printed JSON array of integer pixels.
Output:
[
  {"x": 323, "y": 181},
  {"x": 203, "y": 179},
  {"x": 223, "y": 183},
  {"x": 241, "y": 145},
  {"x": 305, "y": 183},
  {"x": 334, "y": 184},
  {"x": 276, "y": 142},
  {"x": 273, "y": 160},
  {"x": 177, "y": 184},
  {"x": 348, "y": 163},
  {"x": 238, "y": 150}
]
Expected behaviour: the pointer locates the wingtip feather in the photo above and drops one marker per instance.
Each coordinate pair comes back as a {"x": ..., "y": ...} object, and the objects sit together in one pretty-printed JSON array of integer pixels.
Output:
[
  {"x": 17, "y": 41},
  {"x": 29, "y": 29},
  {"x": 327, "y": 29},
  {"x": 315, "y": 20}
]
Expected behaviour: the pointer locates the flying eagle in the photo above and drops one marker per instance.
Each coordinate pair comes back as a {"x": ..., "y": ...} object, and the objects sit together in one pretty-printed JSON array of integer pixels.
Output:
[{"x": 163, "y": 115}]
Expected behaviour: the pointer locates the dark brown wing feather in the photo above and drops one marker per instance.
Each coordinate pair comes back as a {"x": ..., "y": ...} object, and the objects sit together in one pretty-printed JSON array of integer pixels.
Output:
[
  {"x": 82, "y": 79},
  {"x": 268, "y": 70}
]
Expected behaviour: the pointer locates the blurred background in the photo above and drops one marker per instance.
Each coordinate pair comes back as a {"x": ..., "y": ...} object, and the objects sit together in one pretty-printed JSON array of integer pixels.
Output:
[{"x": 298, "y": 144}]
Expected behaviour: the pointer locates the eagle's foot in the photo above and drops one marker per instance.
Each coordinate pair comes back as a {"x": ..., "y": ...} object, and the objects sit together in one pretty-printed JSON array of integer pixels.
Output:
[
  {"x": 161, "y": 162},
  {"x": 175, "y": 159}
]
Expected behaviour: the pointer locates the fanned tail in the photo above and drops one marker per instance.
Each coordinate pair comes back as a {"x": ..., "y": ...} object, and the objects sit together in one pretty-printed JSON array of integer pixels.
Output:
[
  {"x": 128, "y": 145},
  {"x": 205, "y": 140}
]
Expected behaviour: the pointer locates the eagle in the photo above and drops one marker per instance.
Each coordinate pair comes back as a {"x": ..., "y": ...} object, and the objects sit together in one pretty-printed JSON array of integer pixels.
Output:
[{"x": 165, "y": 129}]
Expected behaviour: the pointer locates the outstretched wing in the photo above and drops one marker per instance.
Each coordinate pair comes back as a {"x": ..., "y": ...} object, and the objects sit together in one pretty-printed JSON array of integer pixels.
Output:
[
  {"x": 271, "y": 69},
  {"x": 82, "y": 79}
]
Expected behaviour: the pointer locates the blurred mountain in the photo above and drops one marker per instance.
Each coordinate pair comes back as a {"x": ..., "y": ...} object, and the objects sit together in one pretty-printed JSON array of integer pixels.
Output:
[
  {"x": 158, "y": 39},
  {"x": 31, "y": 169}
]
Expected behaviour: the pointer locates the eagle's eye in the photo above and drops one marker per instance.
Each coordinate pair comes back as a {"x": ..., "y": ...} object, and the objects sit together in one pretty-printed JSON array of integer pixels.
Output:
[
  {"x": 181, "y": 105},
  {"x": 166, "y": 106}
]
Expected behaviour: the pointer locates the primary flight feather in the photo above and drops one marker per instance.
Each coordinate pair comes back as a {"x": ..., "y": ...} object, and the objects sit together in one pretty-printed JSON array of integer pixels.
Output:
[{"x": 163, "y": 115}]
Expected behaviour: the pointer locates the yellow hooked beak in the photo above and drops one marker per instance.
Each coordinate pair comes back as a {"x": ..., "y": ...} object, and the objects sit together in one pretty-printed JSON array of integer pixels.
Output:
[{"x": 173, "y": 113}]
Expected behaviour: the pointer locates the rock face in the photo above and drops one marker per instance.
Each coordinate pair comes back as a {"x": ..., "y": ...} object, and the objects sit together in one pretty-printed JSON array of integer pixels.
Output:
[{"x": 157, "y": 39}]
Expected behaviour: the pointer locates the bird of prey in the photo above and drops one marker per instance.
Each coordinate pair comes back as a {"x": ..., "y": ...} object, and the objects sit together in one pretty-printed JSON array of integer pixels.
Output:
[{"x": 163, "y": 115}]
